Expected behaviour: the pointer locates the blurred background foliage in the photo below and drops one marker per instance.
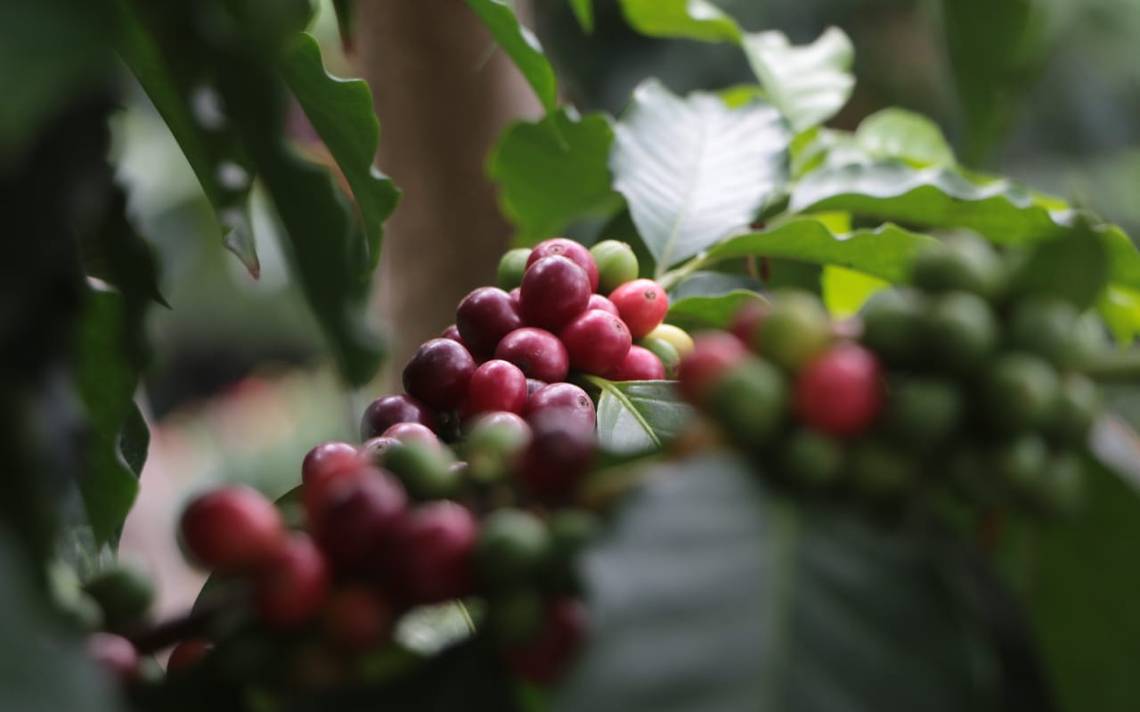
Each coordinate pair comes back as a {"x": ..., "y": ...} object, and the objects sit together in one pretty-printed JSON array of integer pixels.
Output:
[{"x": 1057, "y": 84}]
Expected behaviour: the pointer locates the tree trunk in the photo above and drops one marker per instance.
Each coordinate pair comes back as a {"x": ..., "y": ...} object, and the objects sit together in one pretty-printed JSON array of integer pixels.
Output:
[{"x": 443, "y": 92}]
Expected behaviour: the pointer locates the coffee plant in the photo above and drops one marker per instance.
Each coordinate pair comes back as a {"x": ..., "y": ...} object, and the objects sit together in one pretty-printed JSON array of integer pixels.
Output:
[{"x": 803, "y": 419}]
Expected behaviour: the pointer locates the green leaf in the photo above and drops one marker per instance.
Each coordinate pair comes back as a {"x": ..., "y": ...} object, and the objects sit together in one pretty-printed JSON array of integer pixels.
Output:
[
  {"x": 808, "y": 84},
  {"x": 521, "y": 46},
  {"x": 637, "y": 416},
  {"x": 688, "y": 19},
  {"x": 341, "y": 112},
  {"x": 552, "y": 172},
  {"x": 711, "y": 592},
  {"x": 905, "y": 135},
  {"x": 694, "y": 171},
  {"x": 117, "y": 255},
  {"x": 106, "y": 375},
  {"x": 1120, "y": 309},
  {"x": 193, "y": 113},
  {"x": 845, "y": 291},
  {"x": 1083, "y": 593},
  {"x": 1073, "y": 266},
  {"x": 709, "y": 312},
  {"x": 344, "y": 20},
  {"x": 584, "y": 13},
  {"x": 884, "y": 252}
]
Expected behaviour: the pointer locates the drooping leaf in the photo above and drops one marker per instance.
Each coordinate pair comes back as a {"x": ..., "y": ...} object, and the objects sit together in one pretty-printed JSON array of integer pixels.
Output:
[
  {"x": 584, "y": 13},
  {"x": 694, "y": 171},
  {"x": 709, "y": 312},
  {"x": 845, "y": 291},
  {"x": 196, "y": 118},
  {"x": 711, "y": 592},
  {"x": 553, "y": 171},
  {"x": 883, "y": 252},
  {"x": 106, "y": 375},
  {"x": 637, "y": 416},
  {"x": 520, "y": 44},
  {"x": 688, "y": 19},
  {"x": 808, "y": 84},
  {"x": 706, "y": 283},
  {"x": 341, "y": 112},
  {"x": 1120, "y": 309},
  {"x": 905, "y": 135},
  {"x": 1074, "y": 266},
  {"x": 117, "y": 255}
]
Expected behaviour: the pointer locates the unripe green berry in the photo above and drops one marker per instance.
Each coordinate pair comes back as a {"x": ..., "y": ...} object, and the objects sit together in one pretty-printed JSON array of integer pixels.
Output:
[
  {"x": 1078, "y": 405},
  {"x": 812, "y": 459},
  {"x": 571, "y": 531},
  {"x": 795, "y": 329},
  {"x": 749, "y": 400},
  {"x": 677, "y": 337},
  {"x": 492, "y": 447},
  {"x": 1061, "y": 489},
  {"x": 512, "y": 548},
  {"x": 1020, "y": 392},
  {"x": 616, "y": 264},
  {"x": 959, "y": 263},
  {"x": 123, "y": 593},
  {"x": 1044, "y": 326},
  {"x": 961, "y": 331},
  {"x": 892, "y": 322},
  {"x": 922, "y": 412},
  {"x": 425, "y": 471},
  {"x": 1019, "y": 462},
  {"x": 512, "y": 265},
  {"x": 881, "y": 470},
  {"x": 665, "y": 351},
  {"x": 515, "y": 616}
]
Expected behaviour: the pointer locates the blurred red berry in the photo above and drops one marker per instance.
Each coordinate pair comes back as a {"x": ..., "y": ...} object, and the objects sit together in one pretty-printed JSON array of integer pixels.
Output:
[
  {"x": 746, "y": 321},
  {"x": 231, "y": 529},
  {"x": 293, "y": 585},
  {"x": 840, "y": 392},
  {"x": 412, "y": 433},
  {"x": 115, "y": 654},
  {"x": 544, "y": 658},
  {"x": 431, "y": 553},
  {"x": 358, "y": 618},
  {"x": 355, "y": 518},
  {"x": 187, "y": 654},
  {"x": 713, "y": 353}
]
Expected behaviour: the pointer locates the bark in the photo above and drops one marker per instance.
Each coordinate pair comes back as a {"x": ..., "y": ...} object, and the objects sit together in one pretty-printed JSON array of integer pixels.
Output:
[{"x": 443, "y": 92}]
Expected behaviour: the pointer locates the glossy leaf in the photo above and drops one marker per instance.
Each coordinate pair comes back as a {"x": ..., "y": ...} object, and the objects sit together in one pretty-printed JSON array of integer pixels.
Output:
[
  {"x": 709, "y": 312},
  {"x": 883, "y": 252},
  {"x": 711, "y": 592},
  {"x": 1120, "y": 309},
  {"x": 905, "y": 135},
  {"x": 707, "y": 283},
  {"x": 637, "y": 416},
  {"x": 552, "y": 172},
  {"x": 688, "y": 19},
  {"x": 809, "y": 83},
  {"x": 1073, "y": 266},
  {"x": 520, "y": 44},
  {"x": 341, "y": 112},
  {"x": 845, "y": 291},
  {"x": 584, "y": 13},
  {"x": 694, "y": 171}
]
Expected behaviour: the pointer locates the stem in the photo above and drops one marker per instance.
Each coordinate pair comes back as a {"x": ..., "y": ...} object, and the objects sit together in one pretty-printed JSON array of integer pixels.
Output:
[
  {"x": 1115, "y": 366},
  {"x": 670, "y": 279},
  {"x": 193, "y": 623}
]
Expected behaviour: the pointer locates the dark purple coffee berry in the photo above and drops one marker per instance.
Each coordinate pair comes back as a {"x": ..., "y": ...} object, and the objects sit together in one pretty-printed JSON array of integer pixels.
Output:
[
  {"x": 438, "y": 373},
  {"x": 538, "y": 353},
  {"x": 484, "y": 317},
  {"x": 563, "y": 397},
  {"x": 554, "y": 291},
  {"x": 356, "y": 518},
  {"x": 432, "y": 553},
  {"x": 571, "y": 250},
  {"x": 386, "y": 411},
  {"x": 560, "y": 452}
]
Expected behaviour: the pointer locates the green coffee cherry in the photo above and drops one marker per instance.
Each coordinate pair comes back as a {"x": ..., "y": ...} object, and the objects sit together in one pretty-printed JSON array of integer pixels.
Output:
[
  {"x": 812, "y": 459},
  {"x": 881, "y": 470},
  {"x": 922, "y": 412},
  {"x": 969, "y": 470},
  {"x": 571, "y": 531},
  {"x": 749, "y": 401},
  {"x": 512, "y": 548},
  {"x": 892, "y": 321},
  {"x": 665, "y": 351},
  {"x": 1020, "y": 392},
  {"x": 796, "y": 328},
  {"x": 1090, "y": 339},
  {"x": 515, "y": 616},
  {"x": 492, "y": 447},
  {"x": 512, "y": 265},
  {"x": 959, "y": 263},
  {"x": 424, "y": 470},
  {"x": 1045, "y": 326},
  {"x": 1062, "y": 484},
  {"x": 1019, "y": 461},
  {"x": 616, "y": 264},
  {"x": 961, "y": 331},
  {"x": 675, "y": 335},
  {"x": 123, "y": 593},
  {"x": 1078, "y": 405}
]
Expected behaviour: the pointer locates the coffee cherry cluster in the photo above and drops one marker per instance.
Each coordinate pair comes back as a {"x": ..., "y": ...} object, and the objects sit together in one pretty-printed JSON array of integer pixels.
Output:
[
  {"x": 956, "y": 383},
  {"x": 463, "y": 485}
]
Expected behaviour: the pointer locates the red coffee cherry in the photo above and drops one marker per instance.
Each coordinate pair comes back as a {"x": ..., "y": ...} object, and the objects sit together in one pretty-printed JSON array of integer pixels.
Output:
[
  {"x": 187, "y": 654},
  {"x": 600, "y": 303},
  {"x": 642, "y": 305},
  {"x": 432, "y": 553},
  {"x": 545, "y": 657},
  {"x": 640, "y": 364},
  {"x": 293, "y": 585},
  {"x": 231, "y": 529},
  {"x": 563, "y": 397},
  {"x": 496, "y": 385},
  {"x": 452, "y": 332},
  {"x": 746, "y": 322},
  {"x": 484, "y": 317},
  {"x": 596, "y": 341},
  {"x": 537, "y": 352},
  {"x": 355, "y": 518},
  {"x": 438, "y": 373},
  {"x": 713, "y": 353},
  {"x": 571, "y": 250},
  {"x": 358, "y": 618},
  {"x": 412, "y": 433},
  {"x": 840, "y": 392},
  {"x": 554, "y": 291},
  {"x": 386, "y": 411},
  {"x": 115, "y": 654},
  {"x": 560, "y": 452},
  {"x": 325, "y": 460},
  {"x": 516, "y": 295}
]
